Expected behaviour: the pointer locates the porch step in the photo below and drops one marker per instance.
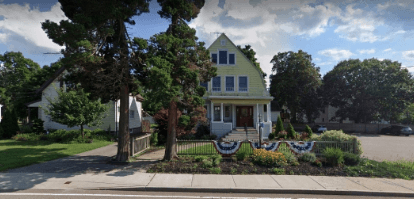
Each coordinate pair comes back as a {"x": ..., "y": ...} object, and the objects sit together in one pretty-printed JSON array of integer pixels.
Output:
[{"x": 240, "y": 134}]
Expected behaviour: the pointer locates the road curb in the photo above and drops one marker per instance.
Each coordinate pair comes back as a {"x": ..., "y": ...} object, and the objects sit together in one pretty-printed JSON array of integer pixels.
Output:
[{"x": 275, "y": 191}]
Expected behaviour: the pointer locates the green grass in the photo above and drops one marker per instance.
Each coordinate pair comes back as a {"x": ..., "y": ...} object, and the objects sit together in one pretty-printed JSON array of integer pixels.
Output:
[
  {"x": 14, "y": 154},
  {"x": 386, "y": 169}
]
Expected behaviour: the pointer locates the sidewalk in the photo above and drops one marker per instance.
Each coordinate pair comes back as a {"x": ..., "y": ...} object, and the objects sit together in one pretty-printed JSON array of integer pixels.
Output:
[{"x": 127, "y": 180}]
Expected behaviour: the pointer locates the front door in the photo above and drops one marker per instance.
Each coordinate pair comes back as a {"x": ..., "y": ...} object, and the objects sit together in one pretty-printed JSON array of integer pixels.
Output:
[{"x": 244, "y": 114}]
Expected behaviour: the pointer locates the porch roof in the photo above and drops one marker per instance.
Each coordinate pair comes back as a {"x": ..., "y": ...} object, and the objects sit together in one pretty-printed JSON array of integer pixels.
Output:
[{"x": 241, "y": 101}]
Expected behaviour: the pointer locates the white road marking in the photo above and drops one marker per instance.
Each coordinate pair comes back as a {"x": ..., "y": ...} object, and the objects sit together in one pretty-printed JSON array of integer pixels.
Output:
[{"x": 119, "y": 195}]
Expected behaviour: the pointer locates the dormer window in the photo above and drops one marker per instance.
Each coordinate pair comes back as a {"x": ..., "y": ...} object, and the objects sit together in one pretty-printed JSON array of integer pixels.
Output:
[
  {"x": 223, "y": 42},
  {"x": 226, "y": 58}
]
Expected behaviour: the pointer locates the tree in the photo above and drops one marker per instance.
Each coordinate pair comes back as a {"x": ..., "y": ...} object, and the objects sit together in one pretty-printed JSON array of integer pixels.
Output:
[
  {"x": 9, "y": 123},
  {"x": 291, "y": 133},
  {"x": 279, "y": 125},
  {"x": 309, "y": 131},
  {"x": 251, "y": 55},
  {"x": 295, "y": 79},
  {"x": 100, "y": 54},
  {"x": 311, "y": 103},
  {"x": 368, "y": 90},
  {"x": 74, "y": 108},
  {"x": 178, "y": 63},
  {"x": 407, "y": 116}
]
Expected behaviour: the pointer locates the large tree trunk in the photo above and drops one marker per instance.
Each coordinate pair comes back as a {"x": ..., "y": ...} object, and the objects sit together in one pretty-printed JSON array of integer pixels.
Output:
[
  {"x": 170, "y": 149},
  {"x": 123, "y": 135},
  {"x": 83, "y": 134}
]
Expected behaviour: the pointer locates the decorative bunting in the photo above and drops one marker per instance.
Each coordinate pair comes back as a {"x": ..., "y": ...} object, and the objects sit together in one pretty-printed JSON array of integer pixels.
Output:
[
  {"x": 227, "y": 148},
  {"x": 300, "y": 147},
  {"x": 268, "y": 147}
]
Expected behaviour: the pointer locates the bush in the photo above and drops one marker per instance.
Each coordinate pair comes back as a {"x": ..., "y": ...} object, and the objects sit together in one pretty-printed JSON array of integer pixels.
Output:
[
  {"x": 9, "y": 124},
  {"x": 216, "y": 159},
  {"x": 290, "y": 157},
  {"x": 317, "y": 163},
  {"x": 216, "y": 170},
  {"x": 309, "y": 131},
  {"x": 206, "y": 164},
  {"x": 268, "y": 158},
  {"x": 308, "y": 157},
  {"x": 25, "y": 129},
  {"x": 271, "y": 136},
  {"x": 291, "y": 133},
  {"x": 200, "y": 158},
  {"x": 282, "y": 135},
  {"x": 304, "y": 136},
  {"x": 1, "y": 131},
  {"x": 38, "y": 126},
  {"x": 67, "y": 136},
  {"x": 154, "y": 139},
  {"x": 351, "y": 159},
  {"x": 242, "y": 155},
  {"x": 279, "y": 171},
  {"x": 279, "y": 125},
  {"x": 334, "y": 156},
  {"x": 26, "y": 137},
  {"x": 338, "y": 136}
]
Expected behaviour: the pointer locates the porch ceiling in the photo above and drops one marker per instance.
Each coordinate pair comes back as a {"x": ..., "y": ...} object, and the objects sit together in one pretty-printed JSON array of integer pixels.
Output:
[{"x": 241, "y": 101}]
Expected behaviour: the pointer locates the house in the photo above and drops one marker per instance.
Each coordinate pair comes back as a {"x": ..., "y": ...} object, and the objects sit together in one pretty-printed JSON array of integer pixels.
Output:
[
  {"x": 110, "y": 122},
  {"x": 237, "y": 96}
]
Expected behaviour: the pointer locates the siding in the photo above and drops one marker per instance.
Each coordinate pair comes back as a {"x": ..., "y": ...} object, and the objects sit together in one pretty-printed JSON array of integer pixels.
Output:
[{"x": 243, "y": 67}]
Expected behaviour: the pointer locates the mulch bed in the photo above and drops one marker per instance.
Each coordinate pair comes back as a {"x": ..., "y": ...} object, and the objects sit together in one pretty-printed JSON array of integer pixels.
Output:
[{"x": 231, "y": 166}]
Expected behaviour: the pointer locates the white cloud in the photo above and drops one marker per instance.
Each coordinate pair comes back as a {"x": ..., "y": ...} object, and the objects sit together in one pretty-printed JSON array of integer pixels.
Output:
[
  {"x": 317, "y": 59},
  {"x": 21, "y": 27},
  {"x": 386, "y": 50},
  {"x": 408, "y": 55},
  {"x": 325, "y": 63},
  {"x": 367, "y": 51},
  {"x": 336, "y": 54}
]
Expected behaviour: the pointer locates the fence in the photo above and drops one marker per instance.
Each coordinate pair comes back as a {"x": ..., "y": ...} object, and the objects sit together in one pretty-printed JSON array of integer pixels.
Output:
[
  {"x": 346, "y": 127},
  {"x": 206, "y": 147},
  {"x": 139, "y": 144}
]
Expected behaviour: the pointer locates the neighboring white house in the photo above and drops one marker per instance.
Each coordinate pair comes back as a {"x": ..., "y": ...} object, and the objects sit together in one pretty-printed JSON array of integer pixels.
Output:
[{"x": 110, "y": 122}]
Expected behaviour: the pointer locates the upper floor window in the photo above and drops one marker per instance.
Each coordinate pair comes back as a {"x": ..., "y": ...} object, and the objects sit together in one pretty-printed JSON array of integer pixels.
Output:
[
  {"x": 232, "y": 58},
  {"x": 214, "y": 58},
  {"x": 226, "y": 58},
  {"x": 216, "y": 84},
  {"x": 222, "y": 57},
  {"x": 243, "y": 84},
  {"x": 131, "y": 114},
  {"x": 204, "y": 84},
  {"x": 229, "y": 83},
  {"x": 223, "y": 42}
]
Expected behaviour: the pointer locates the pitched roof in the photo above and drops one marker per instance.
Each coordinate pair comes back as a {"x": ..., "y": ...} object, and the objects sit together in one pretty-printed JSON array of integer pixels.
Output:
[
  {"x": 138, "y": 97},
  {"x": 49, "y": 81}
]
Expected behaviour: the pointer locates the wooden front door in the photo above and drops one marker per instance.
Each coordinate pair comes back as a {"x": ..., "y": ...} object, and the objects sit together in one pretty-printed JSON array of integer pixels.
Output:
[{"x": 244, "y": 114}]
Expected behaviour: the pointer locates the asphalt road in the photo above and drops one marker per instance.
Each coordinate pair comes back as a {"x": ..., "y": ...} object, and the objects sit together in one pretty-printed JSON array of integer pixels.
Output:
[
  {"x": 92, "y": 194},
  {"x": 387, "y": 147}
]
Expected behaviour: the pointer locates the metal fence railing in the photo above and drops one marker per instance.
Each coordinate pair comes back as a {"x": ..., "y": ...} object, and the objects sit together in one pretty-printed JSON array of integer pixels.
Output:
[{"x": 206, "y": 147}]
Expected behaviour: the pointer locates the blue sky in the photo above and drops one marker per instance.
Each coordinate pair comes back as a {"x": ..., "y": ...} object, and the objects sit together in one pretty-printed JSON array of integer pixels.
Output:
[{"x": 330, "y": 31}]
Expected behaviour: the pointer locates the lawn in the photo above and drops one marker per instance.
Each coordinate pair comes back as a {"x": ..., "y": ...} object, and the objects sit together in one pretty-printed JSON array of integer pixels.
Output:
[{"x": 14, "y": 154}]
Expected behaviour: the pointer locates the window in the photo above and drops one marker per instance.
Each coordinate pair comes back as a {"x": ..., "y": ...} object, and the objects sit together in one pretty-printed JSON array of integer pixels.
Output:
[
  {"x": 204, "y": 84},
  {"x": 222, "y": 57},
  {"x": 232, "y": 58},
  {"x": 243, "y": 84},
  {"x": 223, "y": 42},
  {"x": 131, "y": 114},
  {"x": 217, "y": 113},
  {"x": 265, "y": 108},
  {"x": 229, "y": 83},
  {"x": 217, "y": 84},
  {"x": 214, "y": 58},
  {"x": 227, "y": 111}
]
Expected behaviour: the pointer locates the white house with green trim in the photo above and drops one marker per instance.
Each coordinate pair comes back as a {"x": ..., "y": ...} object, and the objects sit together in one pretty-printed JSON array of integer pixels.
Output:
[{"x": 237, "y": 96}]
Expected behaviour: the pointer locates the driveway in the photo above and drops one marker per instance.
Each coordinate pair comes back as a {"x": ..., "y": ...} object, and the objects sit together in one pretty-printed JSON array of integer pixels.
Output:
[
  {"x": 94, "y": 161},
  {"x": 386, "y": 147}
]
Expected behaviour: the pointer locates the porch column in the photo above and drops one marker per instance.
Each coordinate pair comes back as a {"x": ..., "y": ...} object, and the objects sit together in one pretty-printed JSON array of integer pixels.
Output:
[
  {"x": 212, "y": 111},
  {"x": 221, "y": 112},
  {"x": 257, "y": 117},
  {"x": 268, "y": 113}
]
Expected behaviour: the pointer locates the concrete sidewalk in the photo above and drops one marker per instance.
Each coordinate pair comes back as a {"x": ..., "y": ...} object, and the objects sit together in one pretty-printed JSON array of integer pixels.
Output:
[{"x": 127, "y": 180}]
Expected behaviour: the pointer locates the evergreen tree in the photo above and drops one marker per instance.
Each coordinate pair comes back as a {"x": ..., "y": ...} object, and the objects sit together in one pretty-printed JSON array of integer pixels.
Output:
[
  {"x": 279, "y": 126},
  {"x": 1, "y": 132},
  {"x": 100, "y": 54},
  {"x": 9, "y": 124},
  {"x": 291, "y": 133},
  {"x": 179, "y": 62},
  {"x": 309, "y": 131}
]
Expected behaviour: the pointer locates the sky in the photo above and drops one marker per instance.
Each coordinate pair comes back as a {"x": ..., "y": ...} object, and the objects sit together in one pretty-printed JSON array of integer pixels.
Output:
[{"x": 330, "y": 31}]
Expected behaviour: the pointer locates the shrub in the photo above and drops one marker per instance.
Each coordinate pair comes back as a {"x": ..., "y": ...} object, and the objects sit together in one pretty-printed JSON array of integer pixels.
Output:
[
  {"x": 216, "y": 159},
  {"x": 290, "y": 157},
  {"x": 216, "y": 170},
  {"x": 351, "y": 159},
  {"x": 200, "y": 158},
  {"x": 271, "y": 136},
  {"x": 279, "y": 171},
  {"x": 242, "y": 155},
  {"x": 25, "y": 129},
  {"x": 268, "y": 158},
  {"x": 334, "y": 156},
  {"x": 291, "y": 132},
  {"x": 308, "y": 157},
  {"x": 1, "y": 131},
  {"x": 154, "y": 139},
  {"x": 309, "y": 131},
  {"x": 282, "y": 134},
  {"x": 26, "y": 137},
  {"x": 206, "y": 164},
  {"x": 279, "y": 125},
  {"x": 304, "y": 136},
  {"x": 9, "y": 124},
  {"x": 317, "y": 163},
  {"x": 38, "y": 126},
  {"x": 338, "y": 136}
]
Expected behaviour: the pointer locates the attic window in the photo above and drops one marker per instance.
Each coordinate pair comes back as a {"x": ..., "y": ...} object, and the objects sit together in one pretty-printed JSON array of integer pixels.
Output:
[{"x": 223, "y": 42}]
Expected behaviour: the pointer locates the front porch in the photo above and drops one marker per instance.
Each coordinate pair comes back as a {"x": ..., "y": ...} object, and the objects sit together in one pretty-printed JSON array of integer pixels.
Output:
[{"x": 226, "y": 115}]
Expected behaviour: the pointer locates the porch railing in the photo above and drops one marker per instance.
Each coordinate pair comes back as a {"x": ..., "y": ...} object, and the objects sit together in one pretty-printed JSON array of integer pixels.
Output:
[
  {"x": 205, "y": 147},
  {"x": 251, "y": 91}
]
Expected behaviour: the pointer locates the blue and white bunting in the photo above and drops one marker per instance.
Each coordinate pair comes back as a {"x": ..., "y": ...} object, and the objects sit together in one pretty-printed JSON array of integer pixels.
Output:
[
  {"x": 227, "y": 148},
  {"x": 267, "y": 146},
  {"x": 301, "y": 147}
]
